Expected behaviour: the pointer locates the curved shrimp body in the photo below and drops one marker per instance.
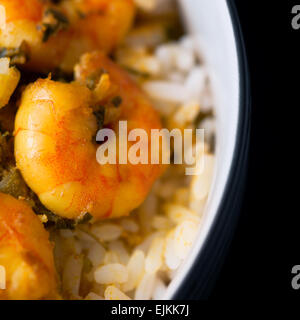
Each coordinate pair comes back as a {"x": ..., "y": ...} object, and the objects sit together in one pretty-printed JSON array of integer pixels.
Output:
[
  {"x": 25, "y": 253},
  {"x": 54, "y": 131},
  {"x": 55, "y": 36}
]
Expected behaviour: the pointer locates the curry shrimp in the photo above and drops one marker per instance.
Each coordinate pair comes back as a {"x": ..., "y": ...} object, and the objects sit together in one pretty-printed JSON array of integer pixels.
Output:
[
  {"x": 55, "y": 131},
  {"x": 25, "y": 252},
  {"x": 48, "y": 36}
]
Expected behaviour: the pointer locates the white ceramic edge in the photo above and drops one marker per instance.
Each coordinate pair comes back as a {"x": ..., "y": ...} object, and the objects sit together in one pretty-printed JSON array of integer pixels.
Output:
[{"x": 211, "y": 22}]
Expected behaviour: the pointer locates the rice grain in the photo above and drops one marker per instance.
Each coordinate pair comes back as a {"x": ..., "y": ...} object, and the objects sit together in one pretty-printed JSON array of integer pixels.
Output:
[
  {"x": 113, "y": 293},
  {"x": 111, "y": 273}
]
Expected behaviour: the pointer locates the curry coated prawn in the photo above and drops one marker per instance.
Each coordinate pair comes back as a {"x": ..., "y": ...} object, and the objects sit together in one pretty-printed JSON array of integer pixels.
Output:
[
  {"x": 54, "y": 131},
  {"x": 25, "y": 252},
  {"x": 49, "y": 36}
]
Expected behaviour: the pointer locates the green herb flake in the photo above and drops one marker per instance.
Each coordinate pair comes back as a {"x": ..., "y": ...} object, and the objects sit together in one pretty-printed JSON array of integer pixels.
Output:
[
  {"x": 53, "y": 22},
  {"x": 11, "y": 182},
  {"x": 85, "y": 219},
  {"x": 81, "y": 15},
  {"x": 116, "y": 101},
  {"x": 93, "y": 78},
  {"x": 100, "y": 115},
  {"x": 17, "y": 55}
]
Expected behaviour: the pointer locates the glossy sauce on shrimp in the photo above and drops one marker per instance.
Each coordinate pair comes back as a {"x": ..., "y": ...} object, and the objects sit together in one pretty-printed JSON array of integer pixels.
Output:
[
  {"x": 25, "y": 253},
  {"x": 55, "y": 151},
  {"x": 47, "y": 36}
]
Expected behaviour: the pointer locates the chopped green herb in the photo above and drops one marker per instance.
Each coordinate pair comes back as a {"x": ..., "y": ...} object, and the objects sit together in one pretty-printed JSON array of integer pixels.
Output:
[
  {"x": 93, "y": 78},
  {"x": 55, "y": 221},
  {"x": 86, "y": 218},
  {"x": 17, "y": 55},
  {"x": 53, "y": 22},
  {"x": 6, "y": 152},
  {"x": 81, "y": 14},
  {"x": 100, "y": 115},
  {"x": 116, "y": 101},
  {"x": 173, "y": 30},
  {"x": 91, "y": 82},
  {"x": 203, "y": 115},
  {"x": 12, "y": 183},
  {"x": 61, "y": 223},
  {"x": 61, "y": 76}
]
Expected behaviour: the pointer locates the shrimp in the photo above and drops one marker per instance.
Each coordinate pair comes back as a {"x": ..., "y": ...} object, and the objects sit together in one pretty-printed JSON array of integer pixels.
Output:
[
  {"x": 50, "y": 36},
  {"x": 25, "y": 253},
  {"x": 54, "y": 149}
]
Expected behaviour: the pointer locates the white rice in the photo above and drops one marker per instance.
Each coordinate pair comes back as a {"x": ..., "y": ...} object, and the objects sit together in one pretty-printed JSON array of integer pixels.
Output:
[
  {"x": 106, "y": 232},
  {"x": 136, "y": 269},
  {"x": 113, "y": 293},
  {"x": 93, "y": 296},
  {"x": 159, "y": 290},
  {"x": 136, "y": 257},
  {"x": 111, "y": 273},
  {"x": 96, "y": 254},
  {"x": 154, "y": 259},
  {"x": 145, "y": 288},
  {"x": 4, "y": 65}
]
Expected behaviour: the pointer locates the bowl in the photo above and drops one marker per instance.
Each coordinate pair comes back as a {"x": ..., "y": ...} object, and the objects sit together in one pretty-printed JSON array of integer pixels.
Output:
[{"x": 215, "y": 25}]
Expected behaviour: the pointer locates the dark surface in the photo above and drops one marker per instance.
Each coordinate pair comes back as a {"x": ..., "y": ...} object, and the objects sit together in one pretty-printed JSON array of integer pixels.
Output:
[{"x": 265, "y": 245}]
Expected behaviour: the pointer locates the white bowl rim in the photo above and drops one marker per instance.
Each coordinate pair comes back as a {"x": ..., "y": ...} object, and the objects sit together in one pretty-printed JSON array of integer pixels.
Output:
[{"x": 182, "y": 283}]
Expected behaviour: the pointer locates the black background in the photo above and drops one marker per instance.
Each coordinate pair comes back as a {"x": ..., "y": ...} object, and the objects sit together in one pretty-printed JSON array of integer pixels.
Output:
[{"x": 266, "y": 244}]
